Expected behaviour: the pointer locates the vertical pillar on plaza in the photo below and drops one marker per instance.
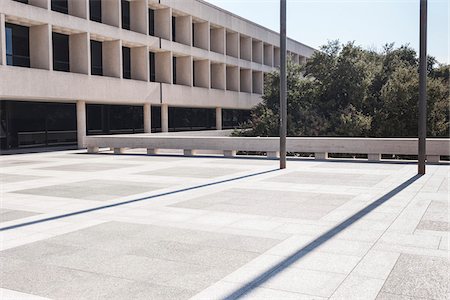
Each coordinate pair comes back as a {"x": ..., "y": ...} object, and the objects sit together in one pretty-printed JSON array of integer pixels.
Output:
[
  {"x": 218, "y": 118},
  {"x": 81, "y": 123},
  {"x": 147, "y": 118},
  {"x": 164, "y": 118}
]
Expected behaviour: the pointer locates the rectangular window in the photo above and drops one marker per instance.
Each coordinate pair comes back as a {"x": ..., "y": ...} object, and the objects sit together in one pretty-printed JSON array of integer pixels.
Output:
[
  {"x": 96, "y": 58},
  {"x": 152, "y": 67},
  {"x": 193, "y": 34},
  {"x": 151, "y": 22},
  {"x": 126, "y": 62},
  {"x": 17, "y": 45},
  {"x": 61, "y": 6},
  {"x": 95, "y": 10},
  {"x": 174, "y": 70},
  {"x": 60, "y": 52},
  {"x": 193, "y": 73},
  {"x": 125, "y": 14},
  {"x": 174, "y": 22}
]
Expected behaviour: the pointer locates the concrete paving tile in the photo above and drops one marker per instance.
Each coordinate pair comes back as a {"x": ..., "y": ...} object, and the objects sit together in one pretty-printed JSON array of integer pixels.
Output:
[
  {"x": 144, "y": 290},
  {"x": 376, "y": 264},
  {"x": 358, "y": 287},
  {"x": 434, "y": 225},
  {"x": 219, "y": 290},
  {"x": 196, "y": 172},
  {"x": 12, "y": 214},
  {"x": 305, "y": 282},
  {"x": 13, "y": 178},
  {"x": 266, "y": 293},
  {"x": 419, "y": 276},
  {"x": 87, "y": 167},
  {"x": 410, "y": 240},
  {"x": 388, "y": 296},
  {"x": 14, "y": 295}
]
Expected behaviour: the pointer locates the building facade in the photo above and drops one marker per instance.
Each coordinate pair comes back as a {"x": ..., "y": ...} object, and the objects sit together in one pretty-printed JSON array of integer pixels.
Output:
[{"x": 71, "y": 68}]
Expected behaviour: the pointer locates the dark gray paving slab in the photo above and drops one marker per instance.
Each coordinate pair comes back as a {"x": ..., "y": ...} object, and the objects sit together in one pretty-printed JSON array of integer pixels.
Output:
[
  {"x": 358, "y": 180},
  {"x": 269, "y": 203},
  {"x": 88, "y": 167},
  {"x": 99, "y": 190},
  {"x": 118, "y": 257},
  {"x": 419, "y": 276},
  {"x": 11, "y": 214},
  {"x": 12, "y": 178},
  {"x": 196, "y": 172}
]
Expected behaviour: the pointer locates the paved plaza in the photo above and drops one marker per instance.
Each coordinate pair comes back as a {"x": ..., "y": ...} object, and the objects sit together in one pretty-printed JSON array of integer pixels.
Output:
[{"x": 133, "y": 226}]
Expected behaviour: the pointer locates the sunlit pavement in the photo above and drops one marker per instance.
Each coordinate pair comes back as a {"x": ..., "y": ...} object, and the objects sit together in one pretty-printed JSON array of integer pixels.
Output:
[{"x": 132, "y": 226}]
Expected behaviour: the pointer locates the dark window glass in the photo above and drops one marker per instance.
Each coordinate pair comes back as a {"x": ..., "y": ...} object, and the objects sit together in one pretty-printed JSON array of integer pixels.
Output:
[
  {"x": 22, "y": 1},
  {"x": 96, "y": 58},
  {"x": 232, "y": 118},
  {"x": 125, "y": 14},
  {"x": 156, "y": 119},
  {"x": 95, "y": 10},
  {"x": 37, "y": 124},
  {"x": 193, "y": 73},
  {"x": 174, "y": 22},
  {"x": 151, "y": 22},
  {"x": 193, "y": 34},
  {"x": 126, "y": 62},
  {"x": 17, "y": 45},
  {"x": 174, "y": 70},
  {"x": 61, "y": 6},
  {"x": 152, "y": 67},
  {"x": 114, "y": 119},
  {"x": 60, "y": 52},
  {"x": 181, "y": 119}
]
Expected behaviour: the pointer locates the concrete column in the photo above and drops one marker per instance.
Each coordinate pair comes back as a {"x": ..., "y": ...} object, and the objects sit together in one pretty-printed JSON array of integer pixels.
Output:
[
  {"x": 81, "y": 123},
  {"x": 40, "y": 3},
  {"x": 268, "y": 55},
  {"x": 112, "y": 12},
  {"x": 92, "y": 149},
  {"x": 257, "y": 51},
  {"x": 245, "y": 48},
  {"x": 218, "y": 76},
  {"x": 164, "y": 118},
  {"x": 152, "y": 151},
  {"x": 202, "y": 73},
  {"x": 183, "y": 29},
  {"x": 433, "y": 158},
  {"x": 373, "y": 157},
  {"x": 189, "y": 152},
  {"x": 273, "y": 154},
  {"x": 321, "y": 155},
  {"x": 163, "y": 67},
  {"x": 201, "y": 36},
  {"x": 217, "y": 40},
  {"x": 276, "y": 57},
  {"x": 184, "y": 70},
  {"x": 41, "y": 47},
  {"x": 257, "y": 82},
  {"x": 163, "y": 23},
  {"x": 229, "y": 153},
  {"x": 147, "y": 118},
  {"x": 119, "y": 150},
  {"x": 112, "y": 58},
  {"x": 2, "y": 40},
  {"x": 218, "y": 118},
  {"x": 246, "y": 80},
  {"x": 139, "y": 16},
  {"x": 232, "y": 80},
  {"x": 79, "y": 8},
  {"x": 79, "y": 53},
  {"x": 233, "y": 44},
  {"x": 140, "y": 63}
]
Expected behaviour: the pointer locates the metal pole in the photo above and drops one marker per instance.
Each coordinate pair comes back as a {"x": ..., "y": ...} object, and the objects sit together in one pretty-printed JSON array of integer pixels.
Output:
[
  {"x": 283, "y": 85},
  {"x": 422, "y": 87}
]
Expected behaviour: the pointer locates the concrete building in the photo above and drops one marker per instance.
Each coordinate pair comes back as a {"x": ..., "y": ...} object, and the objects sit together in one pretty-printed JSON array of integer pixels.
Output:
[{"x": 71, "y": 68}]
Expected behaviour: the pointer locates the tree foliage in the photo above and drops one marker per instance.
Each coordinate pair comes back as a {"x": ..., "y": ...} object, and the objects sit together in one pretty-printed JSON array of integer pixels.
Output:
[{"x": 345, "y": 90}]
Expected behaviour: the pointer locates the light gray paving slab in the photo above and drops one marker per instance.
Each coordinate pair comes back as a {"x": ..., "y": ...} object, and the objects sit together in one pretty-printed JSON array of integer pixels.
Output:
[
  {"x": 87, "y": 167},
  {"x": 12, "y": 214},
  {"x": 13, "y": 178},
  {"x": 98, "y": 190},
  {"x": 419, "y": 276},
  {"x": 195, "y": 172}
]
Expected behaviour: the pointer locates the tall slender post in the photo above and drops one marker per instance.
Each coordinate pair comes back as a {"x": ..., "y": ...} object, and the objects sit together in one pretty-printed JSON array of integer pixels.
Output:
[
  {"x": 422, "y": 87},
  {"x": 283, "y": 85}
]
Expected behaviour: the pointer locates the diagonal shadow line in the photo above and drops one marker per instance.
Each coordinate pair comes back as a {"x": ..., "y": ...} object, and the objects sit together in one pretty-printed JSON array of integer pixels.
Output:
[
  {"x": 299, "y": 254},
  {"x": 134, "y": 200}
]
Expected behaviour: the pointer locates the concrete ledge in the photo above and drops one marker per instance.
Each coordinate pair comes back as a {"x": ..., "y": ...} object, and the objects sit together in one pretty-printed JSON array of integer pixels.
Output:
[{"x": 374, "y": 147}]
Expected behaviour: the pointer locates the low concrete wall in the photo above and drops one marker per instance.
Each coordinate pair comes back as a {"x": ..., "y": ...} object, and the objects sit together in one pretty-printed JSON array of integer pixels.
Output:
[{"x": 321, "y": 146}]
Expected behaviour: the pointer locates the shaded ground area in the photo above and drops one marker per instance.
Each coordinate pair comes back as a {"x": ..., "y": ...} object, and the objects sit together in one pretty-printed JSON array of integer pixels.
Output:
[{"x": 212, "y": 228}]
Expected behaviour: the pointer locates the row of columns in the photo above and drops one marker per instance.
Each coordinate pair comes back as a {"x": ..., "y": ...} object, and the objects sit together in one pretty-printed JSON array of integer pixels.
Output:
[{"x": 81, "y": 120}]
